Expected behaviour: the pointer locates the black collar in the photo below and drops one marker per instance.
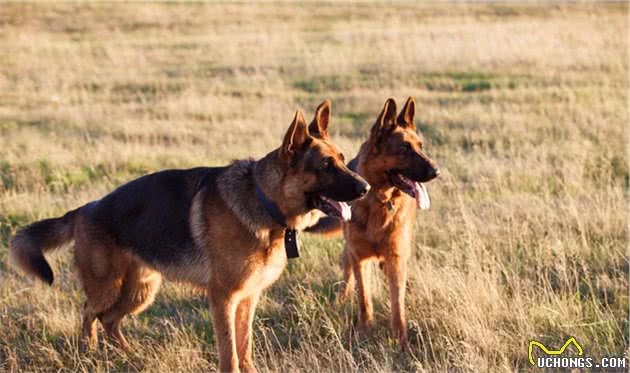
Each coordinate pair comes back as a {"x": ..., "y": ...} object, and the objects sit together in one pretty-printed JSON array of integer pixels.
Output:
[{"x": 291, "y": 244}]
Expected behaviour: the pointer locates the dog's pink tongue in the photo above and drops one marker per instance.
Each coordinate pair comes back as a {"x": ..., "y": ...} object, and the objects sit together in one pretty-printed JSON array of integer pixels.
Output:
[{"x": 422, "y": 196}]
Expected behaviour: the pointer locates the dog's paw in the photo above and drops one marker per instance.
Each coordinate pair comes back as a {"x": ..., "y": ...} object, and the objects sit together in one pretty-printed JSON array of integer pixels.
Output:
[
  {"x": 363, "y": 325},
  {"x": 248, "y": 368},
  {"x": 404, "y": 344}
]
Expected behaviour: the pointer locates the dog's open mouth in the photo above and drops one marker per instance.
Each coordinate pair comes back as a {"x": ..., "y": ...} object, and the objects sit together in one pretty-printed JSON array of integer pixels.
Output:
[
  {"x": 413, "y": 188},
  {"x": 332, "y": 208}
]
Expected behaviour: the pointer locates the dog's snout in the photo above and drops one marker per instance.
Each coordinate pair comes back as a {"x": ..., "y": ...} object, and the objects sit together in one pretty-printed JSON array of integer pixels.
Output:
[
  {"x": 434, "y": 172},
  {"x": 429, "y": 172},
  {"x": 362, "y": 188}
]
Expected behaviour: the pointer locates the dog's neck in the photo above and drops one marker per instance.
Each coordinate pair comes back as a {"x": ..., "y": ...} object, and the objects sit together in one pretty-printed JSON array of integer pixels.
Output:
[
  {"x": 381, "y": 187},
  {"x": 269, "y": 173},
  {"x": 237, "y": 188}
]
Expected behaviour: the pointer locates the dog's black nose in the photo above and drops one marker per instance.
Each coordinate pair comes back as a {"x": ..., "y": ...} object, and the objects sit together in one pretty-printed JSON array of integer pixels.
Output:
[
  {"x": 362, "y": 188},
  {"x": 433, "y": 172}
]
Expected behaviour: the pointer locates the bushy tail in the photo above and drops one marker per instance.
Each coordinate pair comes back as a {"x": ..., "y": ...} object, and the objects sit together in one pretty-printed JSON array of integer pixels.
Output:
[
  {"x": 28, "y": 246},
  {"x": 327, "y": 226}
]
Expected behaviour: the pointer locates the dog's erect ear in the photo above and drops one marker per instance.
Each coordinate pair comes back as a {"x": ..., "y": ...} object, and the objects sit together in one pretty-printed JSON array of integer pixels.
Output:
[
  {"x": 319, "y": 125},
  {"x": 387, "y": 117},
  {"x": 407, "y": 114},
  {"x": 385, "y": 121},
  {"x": 296, "y": 136}
]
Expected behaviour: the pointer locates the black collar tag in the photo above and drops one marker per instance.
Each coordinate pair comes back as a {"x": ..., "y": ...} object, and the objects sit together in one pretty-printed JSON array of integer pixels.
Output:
[{"x": 291, "y": 243}]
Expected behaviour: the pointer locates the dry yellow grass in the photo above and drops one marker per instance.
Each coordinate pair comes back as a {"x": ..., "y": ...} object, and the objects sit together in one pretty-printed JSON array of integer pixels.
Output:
[{"x": 524, "y": 107}]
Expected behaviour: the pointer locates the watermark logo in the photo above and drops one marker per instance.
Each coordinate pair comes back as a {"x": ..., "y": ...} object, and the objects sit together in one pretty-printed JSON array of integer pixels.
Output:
[
  {"x": 554, "y": 359},
  {"x": 553, "y": 352}
]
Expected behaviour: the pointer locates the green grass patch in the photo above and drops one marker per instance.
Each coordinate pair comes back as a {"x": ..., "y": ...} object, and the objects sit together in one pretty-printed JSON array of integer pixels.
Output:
[
  {"x": 44, "y": 175},
  {"x": 324, "y": 83},
  {"x": 467, "y": 81}
]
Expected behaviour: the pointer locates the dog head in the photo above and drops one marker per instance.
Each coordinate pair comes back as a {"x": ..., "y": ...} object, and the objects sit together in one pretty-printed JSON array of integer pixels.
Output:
[
  {"x": 395, "y": 152},
  {"x": 316, "y": 175}
]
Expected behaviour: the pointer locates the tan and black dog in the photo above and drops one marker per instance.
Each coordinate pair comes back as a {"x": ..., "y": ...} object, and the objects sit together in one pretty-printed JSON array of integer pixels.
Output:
[
  {"x": 392, "y": 160},
  {"x": 221, "y": 229}
]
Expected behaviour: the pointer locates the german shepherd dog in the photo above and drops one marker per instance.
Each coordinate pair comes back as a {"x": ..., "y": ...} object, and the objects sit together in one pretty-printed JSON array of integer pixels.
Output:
[
  {"x": 392, "y": 160},
  {"x": 215, "y": 228}
]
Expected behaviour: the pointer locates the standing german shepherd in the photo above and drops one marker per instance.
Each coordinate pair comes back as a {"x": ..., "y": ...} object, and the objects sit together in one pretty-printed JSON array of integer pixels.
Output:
[
  {"x": 221, "y": 229},
  {"x": 392, "y": 160}
]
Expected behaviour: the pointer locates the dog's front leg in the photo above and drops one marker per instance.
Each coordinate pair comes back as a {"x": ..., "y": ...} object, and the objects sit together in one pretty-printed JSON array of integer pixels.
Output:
[
  {"x": 244, "y": 319},
  {"x": 362, "y": 277},
  {"x": 348, "y": 275},
  {"x": 396, "y": 270},
  {"x": 223, "y": 307}
]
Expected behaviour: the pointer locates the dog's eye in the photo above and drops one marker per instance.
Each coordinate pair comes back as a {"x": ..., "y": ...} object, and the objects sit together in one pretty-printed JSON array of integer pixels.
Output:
[
  {"x": 343, "y": 159},
  {"x": 327, "y": 163},
  {"x": 407, "y": 148}
]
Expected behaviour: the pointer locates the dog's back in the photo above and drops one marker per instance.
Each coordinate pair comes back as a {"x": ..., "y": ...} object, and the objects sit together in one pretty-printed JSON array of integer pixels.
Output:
[
  {"x": 151, "y": 215},
  {"x": 152, "y": 209}
]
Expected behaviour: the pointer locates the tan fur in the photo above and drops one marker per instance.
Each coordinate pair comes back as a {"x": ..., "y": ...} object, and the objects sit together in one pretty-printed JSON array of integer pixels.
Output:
[
  {"x": 381, "y": 228},
  {"x": 115, "y": 283},
  {"x": 195, "y": 271}
]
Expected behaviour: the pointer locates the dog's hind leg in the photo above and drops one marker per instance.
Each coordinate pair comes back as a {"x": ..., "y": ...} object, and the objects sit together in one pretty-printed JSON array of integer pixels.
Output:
[
  {"x": 141, "y": 285},
  {"x": 94, "y": 306},
  {"x": 138, "y": 292},
  {"x": 88, "y": 326},
  {"x": 111, "y": 323},
  {"x": 100, "y": 272},
  {"x": 101, "y": 297}
]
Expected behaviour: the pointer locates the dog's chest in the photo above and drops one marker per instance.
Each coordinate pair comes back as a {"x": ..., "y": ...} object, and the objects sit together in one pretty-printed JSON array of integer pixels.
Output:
[
  {"x": 389, "y": 222},
  {"x": 265, "y": 269}
]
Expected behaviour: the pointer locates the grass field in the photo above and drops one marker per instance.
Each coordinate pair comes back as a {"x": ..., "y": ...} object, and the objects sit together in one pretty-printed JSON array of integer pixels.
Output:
[{"x": 525, "y": 108}]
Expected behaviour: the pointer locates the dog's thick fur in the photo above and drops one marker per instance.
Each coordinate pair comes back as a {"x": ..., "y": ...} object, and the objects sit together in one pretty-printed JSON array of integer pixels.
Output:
[
  {"x": 203, "y": 226},
  {"x": 382, "y": 223}
]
